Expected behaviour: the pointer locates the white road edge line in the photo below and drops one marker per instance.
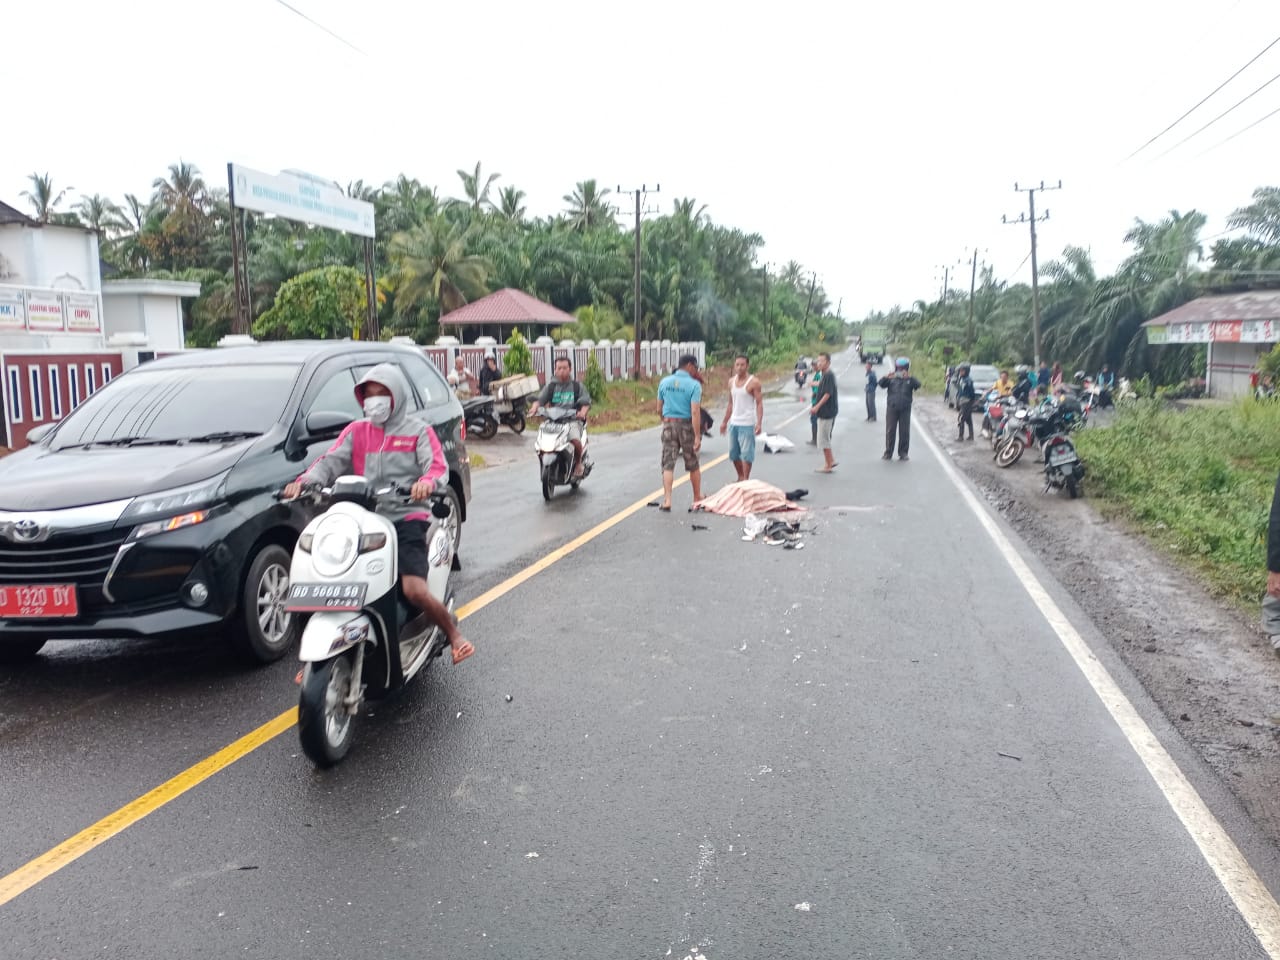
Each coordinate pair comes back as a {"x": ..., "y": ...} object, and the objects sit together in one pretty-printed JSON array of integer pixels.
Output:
[{"x": 1252, "y": 898}]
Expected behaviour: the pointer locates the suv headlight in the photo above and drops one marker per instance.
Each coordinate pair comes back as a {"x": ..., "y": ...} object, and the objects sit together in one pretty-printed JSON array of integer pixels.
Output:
[
  {"x": 179, "y": 500},
  {"x": 174, "y": 509},
  {"x": 335, "y": 545}
]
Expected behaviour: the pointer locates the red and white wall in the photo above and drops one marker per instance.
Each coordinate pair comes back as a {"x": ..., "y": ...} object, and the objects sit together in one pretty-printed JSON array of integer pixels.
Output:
[{"x": 41, "y": 388}]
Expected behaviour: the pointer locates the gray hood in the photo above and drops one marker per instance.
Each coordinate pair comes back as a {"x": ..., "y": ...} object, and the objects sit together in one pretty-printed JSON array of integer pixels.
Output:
[{"x": 389, "y": 375}]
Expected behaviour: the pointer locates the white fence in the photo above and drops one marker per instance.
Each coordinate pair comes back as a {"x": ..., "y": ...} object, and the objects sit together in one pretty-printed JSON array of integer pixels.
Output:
[{"x": 617, "y": 358}]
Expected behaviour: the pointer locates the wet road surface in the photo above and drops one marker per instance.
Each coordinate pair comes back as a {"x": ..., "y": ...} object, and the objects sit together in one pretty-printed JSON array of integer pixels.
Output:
[{"x": 712, "y": 748}]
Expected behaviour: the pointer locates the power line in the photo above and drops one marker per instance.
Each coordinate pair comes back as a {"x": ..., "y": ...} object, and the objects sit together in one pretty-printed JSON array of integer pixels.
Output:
[
  {"x": 321, "y": 26},
  {"x": 1238, "y": 132},
  {"x": 1221, "y": 115},
  {"x": 1202, "y": 102},
  {"x": 1018, "y": 267}
]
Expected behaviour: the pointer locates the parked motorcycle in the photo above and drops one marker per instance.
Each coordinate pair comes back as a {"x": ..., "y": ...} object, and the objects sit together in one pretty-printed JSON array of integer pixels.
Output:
[
  {"x": 1012, "y": 436},
  {"x": 555, "y": 450},
  {"x": 362, "y": 638},
  {"x": 482, "y": 422},
  {"x": 1062, "y": 465},
  {"x": 511, "y": 413}
]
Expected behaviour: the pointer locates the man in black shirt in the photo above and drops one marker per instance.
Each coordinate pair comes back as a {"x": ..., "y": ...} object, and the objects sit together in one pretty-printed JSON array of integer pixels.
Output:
[
  {"x": 826, "y": 404},
  {"x": 489, "y": 373},
  {"x": 901, "y": 386}
]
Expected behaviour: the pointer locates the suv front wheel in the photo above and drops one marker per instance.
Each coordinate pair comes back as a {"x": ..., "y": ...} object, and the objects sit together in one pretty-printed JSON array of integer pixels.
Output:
[{"x": 266, "y": 630}]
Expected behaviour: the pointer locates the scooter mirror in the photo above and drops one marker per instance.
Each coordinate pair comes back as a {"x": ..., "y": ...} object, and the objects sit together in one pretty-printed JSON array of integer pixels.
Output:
[{"x": 440, "y": 509}]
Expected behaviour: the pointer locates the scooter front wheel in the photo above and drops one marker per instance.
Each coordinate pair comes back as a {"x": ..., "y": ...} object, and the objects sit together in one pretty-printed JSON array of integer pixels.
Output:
[
  {"x": 548, "y": 481},
  {"x": 324, "y": 725}
]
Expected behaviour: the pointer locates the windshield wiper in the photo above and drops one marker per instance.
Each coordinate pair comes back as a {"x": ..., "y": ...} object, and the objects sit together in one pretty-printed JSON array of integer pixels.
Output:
[
  {"x": 113, "y": 442},
  {"x": 224, "y": 436}
]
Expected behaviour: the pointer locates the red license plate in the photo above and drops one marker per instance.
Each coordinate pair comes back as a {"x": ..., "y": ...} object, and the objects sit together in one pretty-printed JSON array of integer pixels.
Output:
[{"x": 44, "y": 601}]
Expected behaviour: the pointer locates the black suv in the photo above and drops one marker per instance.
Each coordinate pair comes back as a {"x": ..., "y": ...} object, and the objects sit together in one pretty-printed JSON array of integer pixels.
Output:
[{"x": 150, "y": 509}]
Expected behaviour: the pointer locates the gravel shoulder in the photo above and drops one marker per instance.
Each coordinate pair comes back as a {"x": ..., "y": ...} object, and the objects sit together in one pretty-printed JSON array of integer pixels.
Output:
[{"x": 1204, "y": 663}]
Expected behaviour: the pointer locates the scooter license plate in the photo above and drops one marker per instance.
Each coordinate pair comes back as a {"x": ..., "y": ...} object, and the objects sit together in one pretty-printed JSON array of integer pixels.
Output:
[
  {"x": 313, "y": 597},
  {"x": 1060, "y": 458}
]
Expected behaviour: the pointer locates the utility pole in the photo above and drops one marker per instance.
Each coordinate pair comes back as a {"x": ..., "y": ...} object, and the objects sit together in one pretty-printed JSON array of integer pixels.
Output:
[
  {"x": 813, "y": 285},
  {"x": 764, "y": 319},
  {"x": 242, "y": 323},
  {"x": 1035, "y": 269},
  {"x": 973, "y": 288},
  {"x": 640, "y": 193}
]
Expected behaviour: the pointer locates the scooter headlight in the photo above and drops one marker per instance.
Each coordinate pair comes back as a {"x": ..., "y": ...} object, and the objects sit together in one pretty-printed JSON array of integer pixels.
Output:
[{"x": 335, "y": 545}]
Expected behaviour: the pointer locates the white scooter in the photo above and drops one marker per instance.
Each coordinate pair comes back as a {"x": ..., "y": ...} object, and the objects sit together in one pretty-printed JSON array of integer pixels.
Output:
[
  {"x": 362, "y": 639},
  {"x": 555, "y": 450}
]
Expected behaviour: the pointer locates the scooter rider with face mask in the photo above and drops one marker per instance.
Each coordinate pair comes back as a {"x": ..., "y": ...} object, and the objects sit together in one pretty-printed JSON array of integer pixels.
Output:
[{"x": 392, "y": 446}]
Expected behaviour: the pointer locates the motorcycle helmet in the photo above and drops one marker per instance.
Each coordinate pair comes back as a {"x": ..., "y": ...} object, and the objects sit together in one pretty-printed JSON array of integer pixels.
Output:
[
  {"x": 902, "y": 363},
  {"x": 1021, "y": 368}
]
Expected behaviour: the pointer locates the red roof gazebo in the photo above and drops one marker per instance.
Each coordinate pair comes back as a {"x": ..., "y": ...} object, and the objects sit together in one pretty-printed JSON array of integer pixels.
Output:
[{"x": 507, "y": 308}]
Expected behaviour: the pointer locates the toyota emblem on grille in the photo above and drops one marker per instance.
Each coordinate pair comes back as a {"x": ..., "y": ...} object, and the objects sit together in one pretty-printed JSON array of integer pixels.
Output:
[{"x": 26, "y": 531}]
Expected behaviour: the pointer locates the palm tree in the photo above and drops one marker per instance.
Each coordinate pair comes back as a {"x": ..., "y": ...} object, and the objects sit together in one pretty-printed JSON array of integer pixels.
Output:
[
  {"x": 404, "y": 203},
  {"x": 431, "y": 267},
  {"x": 587, "y": 207},
  {"x": 101, "y": 215},
  {"x": 477, "y": 195},
  {"x": 1262, "y": 217},
  {"x": 184, "y": 192},
  {"x": 509, "y": 206},
  {"x": 42, "y": 196},
  {"x": 137, "y": 211}
]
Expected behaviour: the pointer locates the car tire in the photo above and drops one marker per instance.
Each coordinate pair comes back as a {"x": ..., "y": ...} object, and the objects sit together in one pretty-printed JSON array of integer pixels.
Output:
[
  {"x": 264, "y": 631},
  {"x": 20, "y": 651}
]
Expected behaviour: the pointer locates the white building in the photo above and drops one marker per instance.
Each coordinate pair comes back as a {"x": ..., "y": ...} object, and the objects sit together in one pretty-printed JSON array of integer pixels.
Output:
[
  {"x": 63, "y": 332},
  {"x": 1236, "y": 328}
]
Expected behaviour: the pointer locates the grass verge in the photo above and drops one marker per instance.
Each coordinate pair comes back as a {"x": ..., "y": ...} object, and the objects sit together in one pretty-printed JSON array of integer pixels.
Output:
[
  {"x": 631, "y": 404},
  {"x": 1197, "y": 482}
]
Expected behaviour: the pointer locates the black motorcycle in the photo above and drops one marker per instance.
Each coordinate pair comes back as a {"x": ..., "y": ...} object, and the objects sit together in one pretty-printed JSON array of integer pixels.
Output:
[
  {"x": 1050, "y": 425},
  {"x": 511, "y": 413},
  {"x": 482, "y": 422}
]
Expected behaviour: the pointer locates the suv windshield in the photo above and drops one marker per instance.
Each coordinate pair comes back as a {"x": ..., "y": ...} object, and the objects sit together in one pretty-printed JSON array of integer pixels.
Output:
[{"x": 182, "y": 403}]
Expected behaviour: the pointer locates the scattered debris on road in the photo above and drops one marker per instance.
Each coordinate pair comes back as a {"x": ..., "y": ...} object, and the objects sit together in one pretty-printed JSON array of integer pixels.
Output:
[{"x": 1007, "y": 756}]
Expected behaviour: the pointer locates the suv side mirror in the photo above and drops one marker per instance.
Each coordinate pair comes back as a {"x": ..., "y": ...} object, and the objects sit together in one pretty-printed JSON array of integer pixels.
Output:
[
  {"x": 40, "y": 432},
  {"x": 325, "y": 425}
]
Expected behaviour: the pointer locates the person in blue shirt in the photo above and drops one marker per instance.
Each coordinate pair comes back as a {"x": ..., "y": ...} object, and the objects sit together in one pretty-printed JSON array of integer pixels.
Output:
[{"x": 680, "y": 406}]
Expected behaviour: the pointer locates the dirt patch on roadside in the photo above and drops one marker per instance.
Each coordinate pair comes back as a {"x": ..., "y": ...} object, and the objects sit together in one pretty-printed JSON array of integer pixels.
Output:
[{"x": 1205, "y": 664}]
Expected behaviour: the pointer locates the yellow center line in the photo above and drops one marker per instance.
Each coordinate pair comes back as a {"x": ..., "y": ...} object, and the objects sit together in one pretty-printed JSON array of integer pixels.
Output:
[{"x": 70, "y": 850}]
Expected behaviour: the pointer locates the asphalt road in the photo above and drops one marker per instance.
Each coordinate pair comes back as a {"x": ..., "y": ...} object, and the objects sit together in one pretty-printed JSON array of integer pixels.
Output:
[{"x": 874, "y": 747}]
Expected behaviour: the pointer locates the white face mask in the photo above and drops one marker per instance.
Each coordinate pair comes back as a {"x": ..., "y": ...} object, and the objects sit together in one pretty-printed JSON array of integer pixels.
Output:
[{"x": 378, "y": 409}]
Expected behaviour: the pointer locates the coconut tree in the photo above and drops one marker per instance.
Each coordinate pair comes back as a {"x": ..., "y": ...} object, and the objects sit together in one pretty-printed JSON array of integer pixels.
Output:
[
  {"x": 510, "y": 205},
  {"x": 476, "y": 190},
  {"x": 101, "y": 215},
  {"x": 431, "y": 268},
  {"x": 183, "y": 192},
  {"x": 587, "y": 207},
  {"x": 42, "y": 196}
]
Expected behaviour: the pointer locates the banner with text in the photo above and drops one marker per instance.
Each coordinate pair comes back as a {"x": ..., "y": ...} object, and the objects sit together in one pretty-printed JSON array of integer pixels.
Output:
[
  {"x": 83, "y": 315},
  {"x": 44, "y": 311},
  {"x": 296, "y": 198},
  {"x": 13, "y": 310}
]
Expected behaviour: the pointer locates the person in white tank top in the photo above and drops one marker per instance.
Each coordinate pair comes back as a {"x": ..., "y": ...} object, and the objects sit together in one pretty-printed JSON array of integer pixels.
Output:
[{"x": 744, "y": 416}]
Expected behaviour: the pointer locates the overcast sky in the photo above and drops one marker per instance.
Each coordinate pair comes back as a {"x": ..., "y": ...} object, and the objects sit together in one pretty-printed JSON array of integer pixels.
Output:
[{"x": 873, "y": 147}]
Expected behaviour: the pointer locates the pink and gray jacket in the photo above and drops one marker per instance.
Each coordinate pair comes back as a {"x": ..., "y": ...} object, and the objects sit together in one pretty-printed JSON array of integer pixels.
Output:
[{"x": 403, "y": 450}]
